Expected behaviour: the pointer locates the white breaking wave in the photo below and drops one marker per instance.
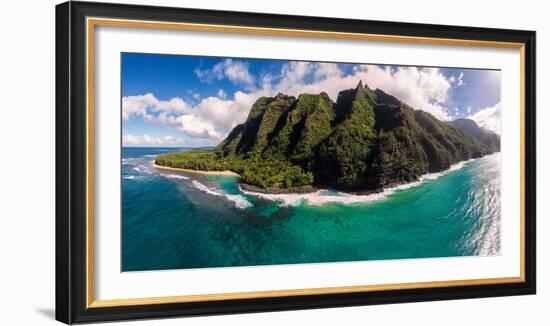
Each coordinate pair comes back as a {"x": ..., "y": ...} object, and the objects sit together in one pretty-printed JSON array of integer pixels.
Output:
[
  {"x": 317, "y": 198},
  {"x": 130, "y": 161},
  {"x": 204, "y": 188},
  {"x": 239, "y": 201},
  {"x": 175, "y": 176},
  {"x": 145, "y": 169},
  {"x": 325, "y": 196},
  {"x": 452, "y": 168},
  {"x": 129, "y": 177},
  {"x": 141, "y": 168}
]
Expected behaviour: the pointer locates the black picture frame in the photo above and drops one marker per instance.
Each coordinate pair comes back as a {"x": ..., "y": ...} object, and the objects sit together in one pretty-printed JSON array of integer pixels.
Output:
[{"x": 71, "y": 158}]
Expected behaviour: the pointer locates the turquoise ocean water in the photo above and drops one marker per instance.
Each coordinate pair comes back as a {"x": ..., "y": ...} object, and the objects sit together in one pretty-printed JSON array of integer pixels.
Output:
[{"x": 174, "y": 220}]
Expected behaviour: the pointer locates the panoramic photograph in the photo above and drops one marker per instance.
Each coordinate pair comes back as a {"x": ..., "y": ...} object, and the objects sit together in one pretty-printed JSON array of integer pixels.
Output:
[{"x": 231, "y": 162}]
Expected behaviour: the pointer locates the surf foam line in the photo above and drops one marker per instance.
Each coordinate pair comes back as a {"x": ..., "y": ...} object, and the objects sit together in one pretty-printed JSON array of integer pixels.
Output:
[
  {"x": 204, "y": 188},
  {"x": 238, "y": 200},
  {"x": 325, "y": 196},
  {"x": 131, "y": 161},
  {"x": 174, "y": 176}
]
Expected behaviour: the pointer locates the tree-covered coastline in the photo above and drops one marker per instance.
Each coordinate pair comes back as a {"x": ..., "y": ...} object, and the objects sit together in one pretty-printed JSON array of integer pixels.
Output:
[
  {"x": 364, "y": 142},
  {"x": 258, "y": 170}
]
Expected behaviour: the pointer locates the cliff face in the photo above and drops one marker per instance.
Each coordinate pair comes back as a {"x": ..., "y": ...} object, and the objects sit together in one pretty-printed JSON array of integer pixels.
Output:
[
  {"x": 365, "y": 141},
  {"x": 470, "y": 127}
]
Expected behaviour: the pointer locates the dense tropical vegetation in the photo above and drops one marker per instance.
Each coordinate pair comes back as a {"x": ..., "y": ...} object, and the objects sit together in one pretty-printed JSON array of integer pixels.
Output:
[
  {"x": 365, "y": 141},
  {"x": 259, "y": 170}
]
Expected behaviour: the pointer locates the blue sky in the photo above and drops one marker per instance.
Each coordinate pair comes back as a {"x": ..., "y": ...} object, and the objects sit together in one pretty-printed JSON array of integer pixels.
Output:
[{"x": 191, "y": 101}]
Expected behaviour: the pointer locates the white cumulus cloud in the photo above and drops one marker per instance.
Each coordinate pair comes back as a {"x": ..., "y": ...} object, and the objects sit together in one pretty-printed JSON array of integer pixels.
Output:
[
  {"x": 142, "y": 105},
  {"x": 489, "y": 118},
  {"x": 221, "y": 94},
  {"x": 234, "y": 70},
  {"x": 212, "y": 118},
  {"x": 422, "y": 88},
  {"x": 458, "y": 80},
  {"x": 147, "y": 140}
]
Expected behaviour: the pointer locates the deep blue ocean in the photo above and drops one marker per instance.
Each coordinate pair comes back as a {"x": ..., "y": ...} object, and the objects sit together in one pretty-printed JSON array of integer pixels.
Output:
[{"x": 175, "y": 220}]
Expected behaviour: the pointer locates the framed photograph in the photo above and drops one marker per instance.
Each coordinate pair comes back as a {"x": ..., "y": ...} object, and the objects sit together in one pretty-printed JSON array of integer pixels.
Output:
[{"x": 212, "y": 162}]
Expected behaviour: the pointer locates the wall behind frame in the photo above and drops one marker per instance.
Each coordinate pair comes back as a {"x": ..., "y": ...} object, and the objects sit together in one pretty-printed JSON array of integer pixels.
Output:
[{"x": 27, "y": 162}]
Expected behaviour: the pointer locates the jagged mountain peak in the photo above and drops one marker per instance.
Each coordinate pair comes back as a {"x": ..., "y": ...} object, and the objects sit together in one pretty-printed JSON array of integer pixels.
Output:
[
  {"x": 282, "y": 96},
  {"x": 383, "y": 97},
  {"x": 366, "y": 140}
]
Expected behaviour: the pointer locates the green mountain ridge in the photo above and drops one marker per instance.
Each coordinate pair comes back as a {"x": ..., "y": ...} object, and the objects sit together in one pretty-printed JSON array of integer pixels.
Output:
[
  {"x": 364, "y": 142},
  {"x": 471, "y": 128}
]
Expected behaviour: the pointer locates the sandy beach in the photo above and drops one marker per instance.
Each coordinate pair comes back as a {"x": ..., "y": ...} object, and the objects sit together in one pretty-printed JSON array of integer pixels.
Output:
[{"x": 224, "y": 172}]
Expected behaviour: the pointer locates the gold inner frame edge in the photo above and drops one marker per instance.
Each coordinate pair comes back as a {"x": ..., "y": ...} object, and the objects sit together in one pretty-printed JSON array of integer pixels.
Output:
[{"x": 91, "y": 22}]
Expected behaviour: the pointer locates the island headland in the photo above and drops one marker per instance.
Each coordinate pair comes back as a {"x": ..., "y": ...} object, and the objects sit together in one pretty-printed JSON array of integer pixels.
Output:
[{"x": 364, "y": 142}]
